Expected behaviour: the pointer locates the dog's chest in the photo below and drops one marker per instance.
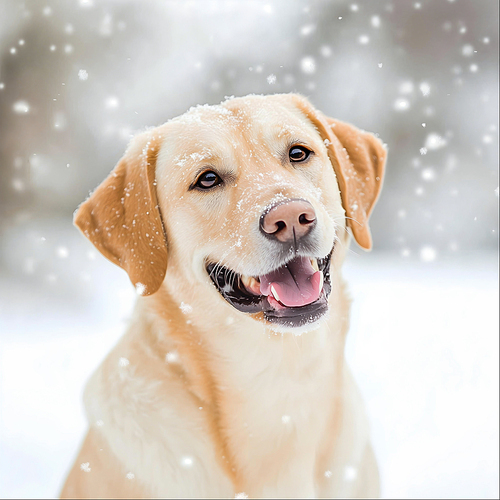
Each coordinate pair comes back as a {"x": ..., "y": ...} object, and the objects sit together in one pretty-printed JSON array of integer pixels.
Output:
[{"x": 276, "y": 408}]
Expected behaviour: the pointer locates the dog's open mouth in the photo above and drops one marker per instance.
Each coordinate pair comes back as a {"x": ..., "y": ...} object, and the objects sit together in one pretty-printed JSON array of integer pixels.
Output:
[{"x": 292, "y": 295}]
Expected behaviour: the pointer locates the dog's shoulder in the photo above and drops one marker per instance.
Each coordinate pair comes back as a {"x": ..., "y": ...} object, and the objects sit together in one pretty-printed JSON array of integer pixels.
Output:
[{"x": 137, "y": 404}]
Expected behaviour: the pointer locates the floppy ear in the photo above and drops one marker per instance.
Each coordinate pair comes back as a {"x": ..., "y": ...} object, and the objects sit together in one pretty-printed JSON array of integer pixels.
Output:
[
  {"x": 358, "y": 159},
  {"x": 122, "y": 219}
]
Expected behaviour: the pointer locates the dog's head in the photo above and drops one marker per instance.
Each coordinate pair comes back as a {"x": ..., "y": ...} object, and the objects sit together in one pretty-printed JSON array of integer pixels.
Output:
[{"x": 253, "y": 197}]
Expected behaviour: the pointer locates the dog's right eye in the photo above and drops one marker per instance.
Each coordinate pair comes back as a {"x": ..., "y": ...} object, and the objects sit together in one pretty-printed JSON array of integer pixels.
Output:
[{"x": 208, "y": 180}]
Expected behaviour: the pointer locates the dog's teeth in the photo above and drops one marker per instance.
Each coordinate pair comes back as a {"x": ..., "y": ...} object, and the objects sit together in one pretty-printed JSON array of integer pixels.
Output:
[
  {"x": 250, "y": 282},
  {"x": 321, "y": 281},
  {"x": 246, "y": 280},
  {"x": 275, "y": 293},
  {"x": 314, "y": 264}
]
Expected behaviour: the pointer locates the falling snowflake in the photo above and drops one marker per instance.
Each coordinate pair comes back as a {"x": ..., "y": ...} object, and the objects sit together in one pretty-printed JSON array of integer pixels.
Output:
[
  {"x": 375, "y": 21},
  {"x": 21, "y": 107},
  {"x": 172, "y": 357},
  {"x": 308, "y": 65},
  {"x": 130, "y": 475},
  {"x": 307, "y": 29},
  {"x": 434, "y": 141},
  {"x": 467, "y": 50},
  {"x": 186, "y": 308},
  {"x": 363, "y": 39},
  {"x": 428, "y": 254},
  {"x": 401, "y": 104},
  {"x": 187, "y": 462},
  {"x": 325, "y": 51},
  {"x": 350, "y": 473},
  {"x": 286, "y": 419},
  {"x": 241, "y": 495},
  {"x": 271, "y": 79},
  {"x": 111, "y": 102},
  {"x": 406, "y": 87},
  {"x": 83, "y": 75},
  {"x": 85, "y": 467},
  {"x": 140, "y": 288},
  {"x": 123, "y": 362},
  {"x": 328, "y": 474},
  {"x": 425, "y": 88},
  {"x": 428, "y": 174},
  {"x": 62, "y": 252}
]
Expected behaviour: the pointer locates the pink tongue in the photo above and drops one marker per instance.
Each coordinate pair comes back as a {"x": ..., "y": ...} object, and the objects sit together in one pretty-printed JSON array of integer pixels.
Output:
[{"x": 296, "y": 284}]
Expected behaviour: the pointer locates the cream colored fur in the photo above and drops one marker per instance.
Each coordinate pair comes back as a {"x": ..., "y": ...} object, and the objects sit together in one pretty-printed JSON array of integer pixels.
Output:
[{"x": 198, "y": 399}]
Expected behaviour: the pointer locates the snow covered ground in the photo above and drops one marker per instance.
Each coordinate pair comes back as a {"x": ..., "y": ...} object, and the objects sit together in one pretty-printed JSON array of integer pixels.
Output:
[{"x": 423, "y": 346}]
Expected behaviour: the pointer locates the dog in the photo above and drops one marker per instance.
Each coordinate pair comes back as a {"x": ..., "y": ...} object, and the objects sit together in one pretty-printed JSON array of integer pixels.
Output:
[{"x": 232, "y": 222}]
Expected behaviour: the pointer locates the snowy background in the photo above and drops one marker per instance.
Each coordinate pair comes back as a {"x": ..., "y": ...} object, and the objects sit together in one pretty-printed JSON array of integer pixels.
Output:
[{"x": 77, "y": 78}]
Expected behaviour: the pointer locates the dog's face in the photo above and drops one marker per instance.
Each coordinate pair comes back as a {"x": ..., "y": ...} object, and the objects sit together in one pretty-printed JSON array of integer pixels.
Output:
[
  {"x": 245, "y": 196},
  {"x": 244, "y": 190}
]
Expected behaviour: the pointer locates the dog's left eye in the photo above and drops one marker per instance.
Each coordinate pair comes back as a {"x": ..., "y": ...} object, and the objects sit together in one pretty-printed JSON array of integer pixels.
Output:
[
  {"x": 208, "y": 180},
  {"x": 299, "y": 153}
]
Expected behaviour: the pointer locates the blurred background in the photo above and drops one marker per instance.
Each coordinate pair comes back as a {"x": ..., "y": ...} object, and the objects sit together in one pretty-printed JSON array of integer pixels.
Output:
[{"x": 79, "y": 77}]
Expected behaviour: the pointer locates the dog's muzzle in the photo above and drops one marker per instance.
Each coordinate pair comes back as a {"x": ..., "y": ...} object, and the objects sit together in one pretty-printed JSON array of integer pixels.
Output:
[{"x": 292, "y": 295}]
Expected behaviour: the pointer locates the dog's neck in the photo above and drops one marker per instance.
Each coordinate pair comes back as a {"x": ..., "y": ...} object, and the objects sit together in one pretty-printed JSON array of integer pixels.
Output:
[{"x": 215, "y": 340}]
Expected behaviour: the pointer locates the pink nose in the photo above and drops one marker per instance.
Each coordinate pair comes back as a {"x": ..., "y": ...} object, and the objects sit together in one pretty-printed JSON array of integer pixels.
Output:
[{"x": 288, "y": 221}]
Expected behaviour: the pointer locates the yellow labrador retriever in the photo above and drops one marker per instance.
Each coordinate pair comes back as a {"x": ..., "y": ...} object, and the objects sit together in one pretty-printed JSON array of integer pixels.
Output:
[{"x": 231, "y": 221}]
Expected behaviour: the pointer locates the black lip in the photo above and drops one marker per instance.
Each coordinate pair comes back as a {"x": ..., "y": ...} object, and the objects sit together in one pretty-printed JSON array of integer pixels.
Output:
[{"x": 229, "y": 285}]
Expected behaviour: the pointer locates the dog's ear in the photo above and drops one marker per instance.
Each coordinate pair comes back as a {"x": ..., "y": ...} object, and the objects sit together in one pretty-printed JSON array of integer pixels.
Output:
[
  {"x": 122, "y": 218},
  {"x": 358, "y": 159}
]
